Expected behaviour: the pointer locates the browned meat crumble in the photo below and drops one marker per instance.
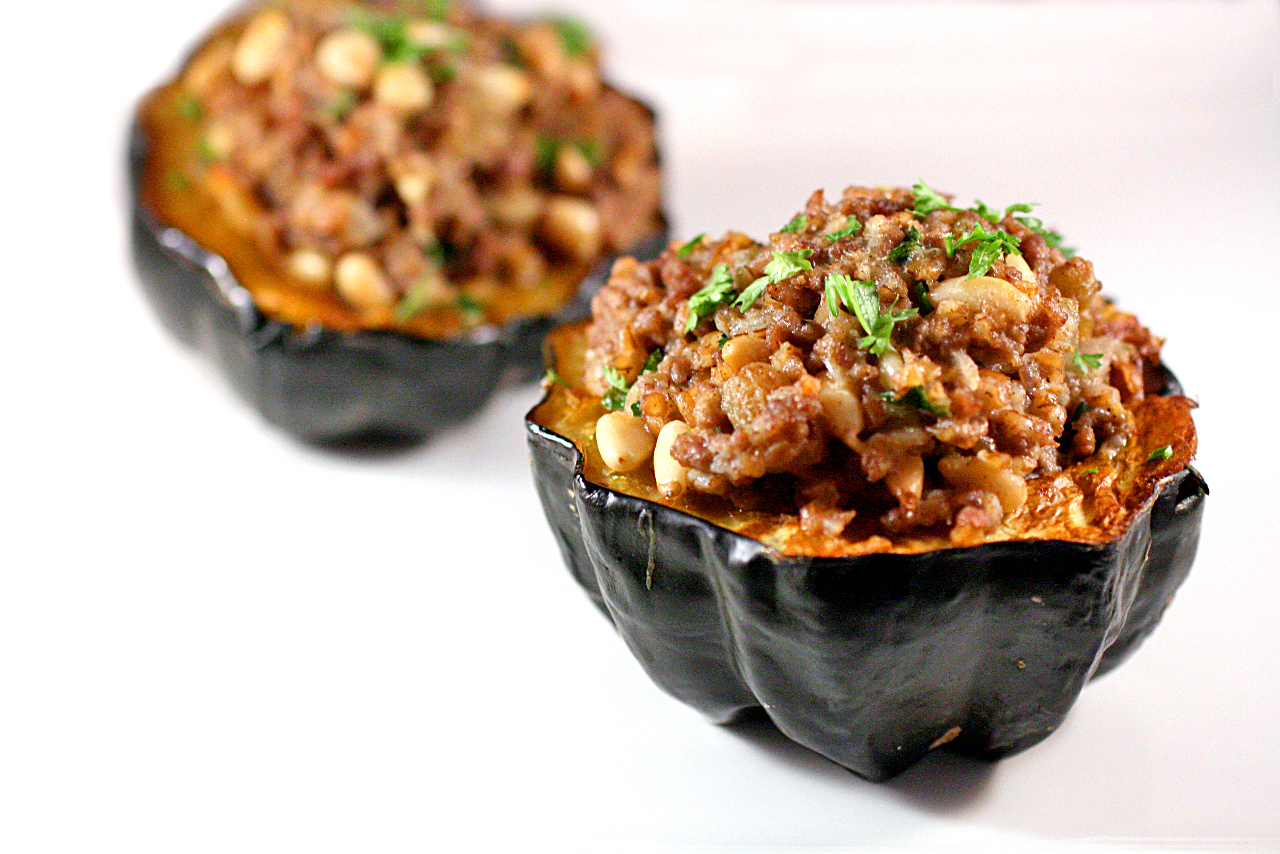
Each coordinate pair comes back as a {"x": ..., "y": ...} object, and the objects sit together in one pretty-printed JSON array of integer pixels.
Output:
[
  {"x": 409, "y": 157},
  {"x": 963, "y": 379}
]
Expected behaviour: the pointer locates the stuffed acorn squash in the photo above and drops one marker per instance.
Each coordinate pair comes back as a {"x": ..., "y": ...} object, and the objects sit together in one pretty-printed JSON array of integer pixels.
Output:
[
  {"x": 899, "y": 476},
  {"x": 369, "y": 214}
]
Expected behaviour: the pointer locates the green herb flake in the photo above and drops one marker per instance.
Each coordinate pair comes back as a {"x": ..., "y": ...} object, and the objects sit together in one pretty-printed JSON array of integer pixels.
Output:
[
  {"x": 545, "y": 149},
  {"x": 575, "y": 36},
  {"x": 414, "y": 300},
  {"x": 205, "y": 152},
  {"x": 391, "y": 33},
  {"x": 801, "y": 221},
  {"x": 714, "y": 294},
  {"x": 342, "y": 105},
  {"x": 553, "y": 378},
  {"x": 724, "y": 339},
  {"x": 1085, "y": 362},
  {"x": 900, "y": 253},
  {"x": 683, "y": 251},
  {"x": 1093, "y": 470},
  {"x": 784, "y": 265},
  {"x": 850, "y": 230},
  {"x": 437, "y": 9},
  {"x": 471, "y": 308},
  {"x": 190, "y": 108},
  {"x": 921, "y": 291},
  {"x": 442, "y": 72},
  {"x": 1050, "y": 236},
  {"x": 1164, "y": 452},
  {"x": 991, "y": 215},
  {"x": 991, "y": 247},
  {"x": 928, "y": 200},
  {"x": 916, "y": 398},
  {"x": 651, "y": 363},
  {"x": 863, "y": 300},
  {"x": 751, "y": 293},
  {"x": 1081, "y": 409},
  {"x": 616, "y": 397}
]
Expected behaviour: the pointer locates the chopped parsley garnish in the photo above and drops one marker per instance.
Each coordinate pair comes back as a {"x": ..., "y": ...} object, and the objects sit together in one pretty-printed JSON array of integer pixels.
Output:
[
  {"x": 442, "y": 72},
  {"x": 575, "y": 36},
  {"x": 921, "y": 290},
  {"x": 1081, "y": 409},
  {"x": 863, "y": 301},
  {"x": 683, "y": 251},
  {"x": 917, "y": 398},
  {"x": 616, "y": 397},
  {"x": 423, "y": 296},
  {"x": 1161, "y": 453},
  {"x": 1085, "y": 362},
  {"x": 993, "y": 215},
  {"x": 928, "y": 200},
  {"x": 342, "y": 105},
  {"x": 713, "y": 294},
  {"x": 1093, "y": 470},
  {"x": 205, "y": 152},
  {"x": 1050, "y": 236},
  {"x": 783, "y": 265},
  {"x": 992, "y": 246},
  {"x": 900, "y": 253},
  {"x": 800, "y": 221},
  {"x": 544, "y": 155},
  {"x": 854, "y": 296},
  {"x": 190, "y": 108},
  {"x": 414, "y": 300},
  {"x": 751, "y": 293},
  {"x": 547, "y": 149},
  {"x": 472, "y": 309},
  {"x": 391, "y": 32},
  {"x": 850, "y": 230},
  {"x": 437, "y": 9},
  {"x": 552, "y": 377},
  {"x": 724, "y": 339}
]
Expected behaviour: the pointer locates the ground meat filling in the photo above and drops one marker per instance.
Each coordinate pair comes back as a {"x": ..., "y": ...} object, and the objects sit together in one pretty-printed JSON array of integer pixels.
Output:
[
  {"x": 886, "y": 353},
  {"x": 389, "y": 151}
]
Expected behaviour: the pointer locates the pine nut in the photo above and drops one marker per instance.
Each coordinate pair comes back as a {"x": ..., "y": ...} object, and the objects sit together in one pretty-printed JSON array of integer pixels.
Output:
[
  {"x": 672, "y": 477},
  {"x": 623, "y": 442},
  {"x": 259, "y": 47},
  {"x": 501, "y": 90},
  {"x": 743, "y": 350},
  {"x": 349, "y": 57},
  {"x": 573, "y": 226},
  {"x": 403, "y": 87},
  {"x": 310, "y": 266},
  {"x": 361, "y": 282}
]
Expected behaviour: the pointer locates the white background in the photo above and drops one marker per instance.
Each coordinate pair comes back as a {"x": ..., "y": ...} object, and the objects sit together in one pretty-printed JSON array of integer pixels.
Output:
[{"x": 215, "y": 639}]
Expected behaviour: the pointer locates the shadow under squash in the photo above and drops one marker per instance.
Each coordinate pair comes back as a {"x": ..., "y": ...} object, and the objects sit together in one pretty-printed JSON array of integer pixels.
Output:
[{"x": 942, "y": 782}]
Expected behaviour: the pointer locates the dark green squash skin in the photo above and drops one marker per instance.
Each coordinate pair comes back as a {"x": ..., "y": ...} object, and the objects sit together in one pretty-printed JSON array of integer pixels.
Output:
[
  {"x": 323, "y": 385},
  {"x": 868, "y": 660}
]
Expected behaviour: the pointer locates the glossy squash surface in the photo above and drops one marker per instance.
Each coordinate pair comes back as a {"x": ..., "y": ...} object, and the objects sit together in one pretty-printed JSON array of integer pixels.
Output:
[
  {"x": 304, "y": 359},
  {"x": 871, "y": 659}
]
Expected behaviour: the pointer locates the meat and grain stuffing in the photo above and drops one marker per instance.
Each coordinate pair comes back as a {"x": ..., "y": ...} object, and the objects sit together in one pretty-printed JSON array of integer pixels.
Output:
[
  {"x": 887, "y": 356},
  {"x": 416, "y": 164}
]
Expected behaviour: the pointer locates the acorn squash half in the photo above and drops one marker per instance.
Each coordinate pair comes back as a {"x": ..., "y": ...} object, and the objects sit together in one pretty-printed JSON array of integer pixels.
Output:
[
  {"x": 305, "y": 361},
  {"x": 873, "y": 659}
]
